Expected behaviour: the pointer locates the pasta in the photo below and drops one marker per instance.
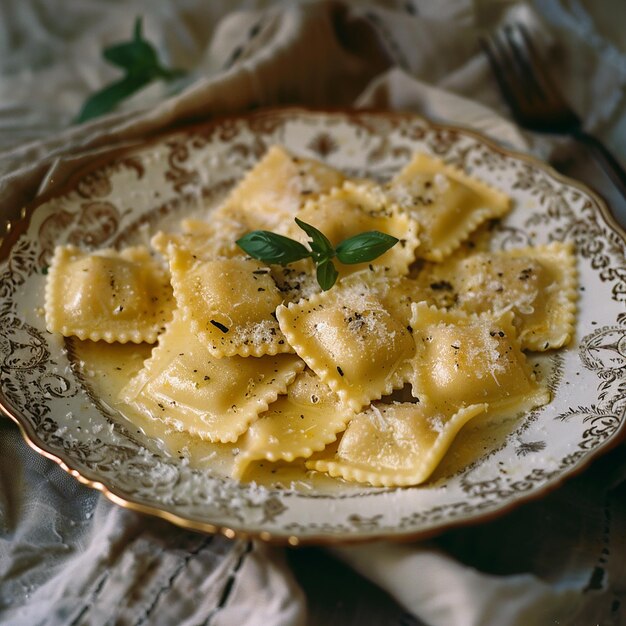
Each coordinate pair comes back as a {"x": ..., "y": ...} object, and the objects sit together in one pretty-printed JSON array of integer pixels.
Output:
[
  {"x": 351, "y": 341},
  {"x": 229, "y": 302},
  {"x": 303, "y": 421},
  {"x": 538, "y": 284},
  {"x": 109, "y": 295},
  {"x": 273, "y": 191},
  {"x": 183, "y": 385},
  {"x": 462, "y": 359},
  {"x": 395, "y": 444},
  {"x": 447, "y": 203},
  {"x": 368, "y": 381}
]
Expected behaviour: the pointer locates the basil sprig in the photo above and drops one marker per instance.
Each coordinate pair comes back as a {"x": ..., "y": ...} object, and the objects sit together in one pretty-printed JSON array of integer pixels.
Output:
[
  {"x": 270, "y": 247},
  {"x": 141, "y": 65}
]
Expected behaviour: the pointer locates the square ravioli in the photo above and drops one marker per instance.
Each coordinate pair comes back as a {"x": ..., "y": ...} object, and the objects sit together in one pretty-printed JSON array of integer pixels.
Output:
[
  {"x": 209, "y": 240},
  {"x": 272, "y": 192},
  {"x": 107, "y": 295},
  {"x": 465, "y": 359},
  {"x": 538, "y": 284},
  {"x": 354, "y": 209},
  {"x": 392, "y": 445},
  {"x": 351, "y": 341},
  {"x": 295, "y": 426},
  {"x": 230, "y": 303},
  {"x": 447, "y": 203},
  {"x": 185, "y": 386}
]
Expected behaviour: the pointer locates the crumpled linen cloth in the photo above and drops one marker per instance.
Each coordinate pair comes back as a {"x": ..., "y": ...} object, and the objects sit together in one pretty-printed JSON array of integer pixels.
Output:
[{"x": 67, "y": 555}]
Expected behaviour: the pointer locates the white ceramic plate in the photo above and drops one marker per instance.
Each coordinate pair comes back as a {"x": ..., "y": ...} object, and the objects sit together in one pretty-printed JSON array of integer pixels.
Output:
[{"x": 486, "y": 473}]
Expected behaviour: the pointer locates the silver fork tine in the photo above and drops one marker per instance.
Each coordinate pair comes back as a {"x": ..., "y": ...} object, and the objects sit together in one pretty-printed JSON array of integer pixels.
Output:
[
  {"x": 519, "y": 71},
  {"x": 509, "y": 51},
  {"x": 518, "y": 50},
  {"x": 497, "y": 51},
  {"x": 535, "y": 66},
  {"x": 512, "y": 74}
]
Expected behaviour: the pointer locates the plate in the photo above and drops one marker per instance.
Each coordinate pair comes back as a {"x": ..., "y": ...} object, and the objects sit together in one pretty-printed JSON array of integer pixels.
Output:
[{"x": 488, "y": 470}]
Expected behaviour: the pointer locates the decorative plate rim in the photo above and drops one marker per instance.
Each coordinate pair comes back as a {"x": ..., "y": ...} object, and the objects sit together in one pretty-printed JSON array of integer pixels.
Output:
[
  {"x": 232, "y": 532},
  {"x": 17, "y": 226}
]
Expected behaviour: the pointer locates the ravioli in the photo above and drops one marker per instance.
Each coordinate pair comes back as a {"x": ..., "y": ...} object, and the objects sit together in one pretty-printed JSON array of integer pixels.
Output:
[
  {"x": 397, "y": 293},
  {"x": 203, "y": 239},
  {"x": 465, "y": 359},
  {"x": 230, "y": 303},
  {"x": 537, "y": 283},
  {"x": 110, "y": 295},
  {"x": 391, "y": 445},
  {"x": 448, "y": 204},
  {"x": 272, "y": 192},
  {"x": 186, "y": 387},
  {"x": 295, "y": 426},
  {"x": 296, "y": 280},
  {"x": 351, "y": 341}
]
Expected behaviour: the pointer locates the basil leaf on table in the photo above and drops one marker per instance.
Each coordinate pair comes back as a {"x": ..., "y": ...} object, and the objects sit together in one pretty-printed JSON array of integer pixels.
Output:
[
  {"x": 106, "y": 99},
  {"x": 140, "y": 61}
]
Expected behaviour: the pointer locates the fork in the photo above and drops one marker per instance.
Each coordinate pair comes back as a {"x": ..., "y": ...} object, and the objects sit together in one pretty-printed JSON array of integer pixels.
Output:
[{"x": 535, "y": 101}]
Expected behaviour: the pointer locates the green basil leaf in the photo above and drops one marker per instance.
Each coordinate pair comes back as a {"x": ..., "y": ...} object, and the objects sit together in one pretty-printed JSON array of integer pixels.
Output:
[
  {"x": 319, "y": 242},
  {"x": 326, "y": 275},
  {"x": 272, "y": 248},
  {"x": 364, "y": 247},
  {"x": 132, "y": 55},
  {"x": 108, "y": 98},
  {"x": 139, "y": 59}
]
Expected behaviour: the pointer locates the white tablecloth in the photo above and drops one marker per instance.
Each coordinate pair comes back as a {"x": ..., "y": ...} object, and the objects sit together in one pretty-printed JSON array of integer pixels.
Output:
[{"x": 68, "y": 556}]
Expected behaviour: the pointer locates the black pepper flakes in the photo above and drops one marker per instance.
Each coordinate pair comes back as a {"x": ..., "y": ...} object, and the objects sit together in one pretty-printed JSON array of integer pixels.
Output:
[
  {"x": 525, "y": 274},
  {"x": 221, "y": 327},
  {"x": 442, "y": 285}
]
